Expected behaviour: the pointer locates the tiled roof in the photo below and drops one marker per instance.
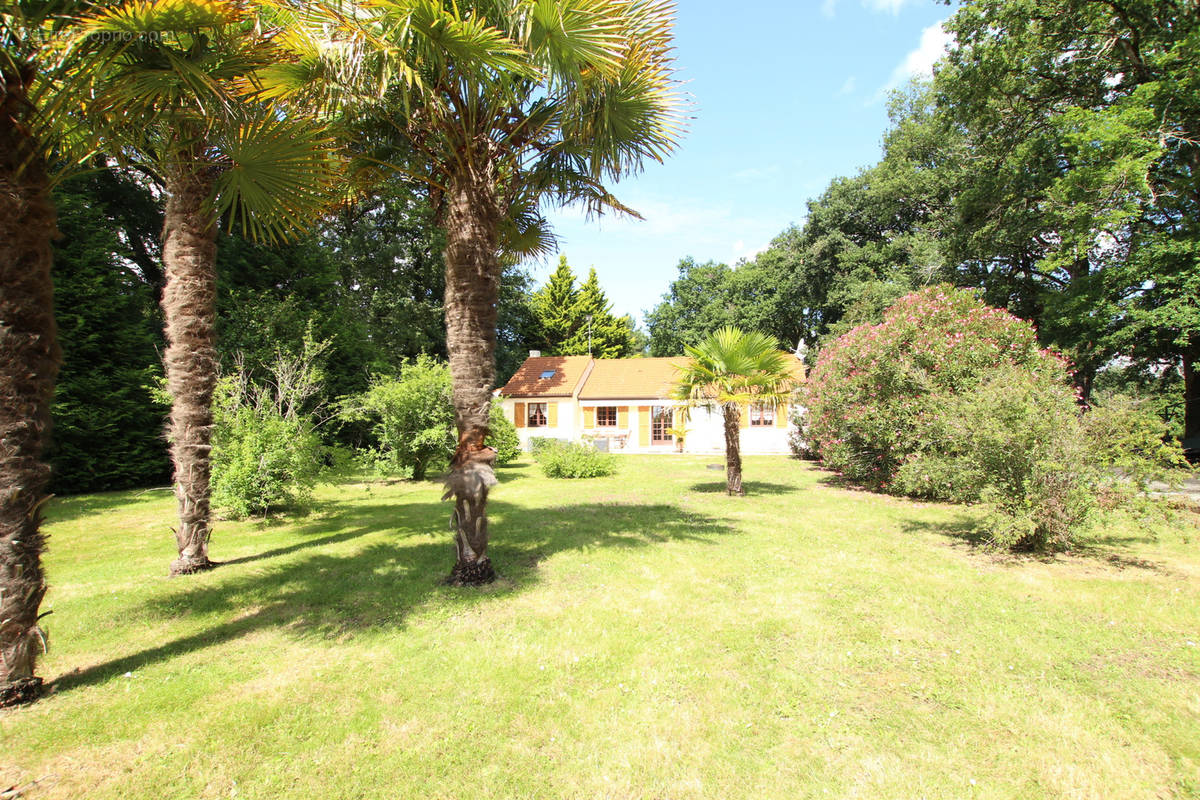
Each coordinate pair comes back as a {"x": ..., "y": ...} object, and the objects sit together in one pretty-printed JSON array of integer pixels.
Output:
[
  {"x": 632, "y": 378},
  {"x": 609, "y": 378},
  {"x": 527, "y": 382}
]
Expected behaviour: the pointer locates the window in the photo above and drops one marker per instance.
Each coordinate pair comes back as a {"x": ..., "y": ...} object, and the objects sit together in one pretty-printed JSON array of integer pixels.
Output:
[
  {"x": 761, "y": 415},
  {"x": 606, "y": 416},
  {"x": 661, "y": 419},
  {"x": 547, "y": 373},
  {"x": 537, "y": 415}
]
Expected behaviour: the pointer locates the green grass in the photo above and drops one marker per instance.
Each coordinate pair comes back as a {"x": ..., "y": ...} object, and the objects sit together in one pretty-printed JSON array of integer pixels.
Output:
[{"x": 650, "y": 637}]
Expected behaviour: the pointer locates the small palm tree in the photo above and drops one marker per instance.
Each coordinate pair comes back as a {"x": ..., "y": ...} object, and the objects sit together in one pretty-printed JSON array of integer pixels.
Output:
[
  {"x": 725, "y": 371},
  {"x": 501, "y": 107},
  {"x": 182, "y": 102}
]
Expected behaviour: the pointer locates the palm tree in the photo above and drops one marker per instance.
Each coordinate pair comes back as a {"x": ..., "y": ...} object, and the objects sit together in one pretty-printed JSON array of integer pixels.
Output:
[
  {"x": 31, "y": 116},
  {"x": 501, "y": 107},
  {"x": 730, "y": 368},
  {"x": 182, "y": 102}
]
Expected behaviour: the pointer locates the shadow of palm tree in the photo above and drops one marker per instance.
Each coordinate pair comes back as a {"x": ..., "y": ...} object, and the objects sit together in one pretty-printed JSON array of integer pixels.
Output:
[
  {"x": 751, "y": 487},
  {"x": 73, "y": 507},
  {"x": 405, "y": 565}
]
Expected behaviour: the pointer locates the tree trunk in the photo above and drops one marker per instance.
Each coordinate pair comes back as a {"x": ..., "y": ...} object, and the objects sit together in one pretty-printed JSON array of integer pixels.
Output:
[
  {"x": 29, "y": 358},
  {"x": 733, "y": 451},
  {"x": 189, "y": 308},
  {"x": 472, "y": 294},
  {"x": 1191, "y": 389}
]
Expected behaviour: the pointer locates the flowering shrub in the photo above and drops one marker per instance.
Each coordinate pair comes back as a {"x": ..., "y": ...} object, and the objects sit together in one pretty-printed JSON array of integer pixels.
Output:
[
  {"x": 873, "y": 387},
  {"x": 949, "y": 399}
]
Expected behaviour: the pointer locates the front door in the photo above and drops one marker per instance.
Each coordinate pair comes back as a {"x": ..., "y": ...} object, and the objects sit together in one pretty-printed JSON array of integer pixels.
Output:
[{"x": 661, "y": 419}]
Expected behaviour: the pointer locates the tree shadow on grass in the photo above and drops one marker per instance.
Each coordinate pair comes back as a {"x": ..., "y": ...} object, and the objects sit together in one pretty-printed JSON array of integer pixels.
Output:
[
  {"x": 751, "y": 487},
  {"x": 70, "y": 508},
  {"x": 972, "y": 533},
  {"x": 330, "y": 596}
]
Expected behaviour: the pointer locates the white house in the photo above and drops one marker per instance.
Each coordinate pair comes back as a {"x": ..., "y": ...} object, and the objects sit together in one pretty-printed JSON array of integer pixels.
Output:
[{"x": 625, "y": 403}]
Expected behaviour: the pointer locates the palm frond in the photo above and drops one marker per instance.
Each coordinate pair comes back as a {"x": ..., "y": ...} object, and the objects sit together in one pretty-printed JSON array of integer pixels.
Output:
[
  {"x": 734, "y": 366},
  {"x": 277, "y": 175}
]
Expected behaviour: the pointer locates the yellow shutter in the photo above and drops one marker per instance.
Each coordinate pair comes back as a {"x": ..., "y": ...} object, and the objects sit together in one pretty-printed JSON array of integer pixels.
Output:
[
  {"x": 644, "y": 426},
  {"x": 622, "y": 416},
  {"x": 519, "y": 414},
  {"x": 745, "y": 409},
  {"x": 781, "y": 415},
  {"x": 552, "y": 414},
  {"x": 589, "y": 417}
]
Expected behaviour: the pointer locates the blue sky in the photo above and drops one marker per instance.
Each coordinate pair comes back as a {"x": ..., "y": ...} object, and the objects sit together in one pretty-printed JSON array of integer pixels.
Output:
[{"x": 785, "y": 96}]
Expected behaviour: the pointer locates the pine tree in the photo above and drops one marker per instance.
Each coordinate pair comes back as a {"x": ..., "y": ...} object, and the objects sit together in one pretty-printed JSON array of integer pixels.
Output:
[
  {"x": 596, "y": 329},
  {"x": 554, "y": 305}
]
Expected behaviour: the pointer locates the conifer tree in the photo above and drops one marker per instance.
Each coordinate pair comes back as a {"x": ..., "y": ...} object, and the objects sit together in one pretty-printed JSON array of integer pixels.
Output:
[
  {"x": 554, "y": 305},
  {"x": 596, "y": 329}
]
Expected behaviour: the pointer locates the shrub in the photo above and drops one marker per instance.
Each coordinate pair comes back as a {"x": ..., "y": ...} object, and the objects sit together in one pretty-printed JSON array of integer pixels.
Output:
[
  {"x": 1133, "y": 441},
  {"x": 502, "y": 435},
  {"x": 412, "y": 418},
  {"x": 799, "y": 437},
  {"x": 539, "y": 443},
  {"x": 266, "y": 453},
  {"x": 1017, "y": 443},
  {"x": 560, "y": 459},
  {"x": 872, "y": 385},
  {"x": 948, "y": 399}
]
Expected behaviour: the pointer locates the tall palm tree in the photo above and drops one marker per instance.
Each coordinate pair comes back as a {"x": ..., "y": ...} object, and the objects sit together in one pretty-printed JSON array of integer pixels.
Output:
[
  {"x": 503, "y": 107},
  {"x": 182, "y": 101},
  {"x": 726, "y": 370},
  {"x": 40, "y": 81}
]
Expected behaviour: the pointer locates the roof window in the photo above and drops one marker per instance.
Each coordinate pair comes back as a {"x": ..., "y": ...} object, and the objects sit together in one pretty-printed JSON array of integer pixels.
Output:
[{"x": 547, "y": 373}]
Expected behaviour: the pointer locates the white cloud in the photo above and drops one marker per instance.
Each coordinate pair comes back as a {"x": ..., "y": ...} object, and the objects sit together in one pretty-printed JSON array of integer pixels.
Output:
[
  {"x": 890, "y": 6},
  {"x": 918, "y": 62},
  {"x": 847, "y": 87},
  {"x": 740, "y": 250},
  {"x": 829, "y": 7}
]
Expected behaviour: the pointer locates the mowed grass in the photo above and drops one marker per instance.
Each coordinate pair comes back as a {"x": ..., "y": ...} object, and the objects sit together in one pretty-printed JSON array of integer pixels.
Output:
[{"x": 649, "y": 637}]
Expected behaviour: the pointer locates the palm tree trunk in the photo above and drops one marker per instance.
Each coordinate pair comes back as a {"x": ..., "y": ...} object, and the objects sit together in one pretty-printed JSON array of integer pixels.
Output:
[
  {"x": 472, "y": 294},
  {"x": 29, "y": 358},
  {"x": 733, "y": 451},
  {"x": 189, "y": 307}
]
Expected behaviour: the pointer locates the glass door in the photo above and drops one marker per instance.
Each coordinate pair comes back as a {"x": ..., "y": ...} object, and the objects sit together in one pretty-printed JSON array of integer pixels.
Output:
[{"x": 661, "y": 419}]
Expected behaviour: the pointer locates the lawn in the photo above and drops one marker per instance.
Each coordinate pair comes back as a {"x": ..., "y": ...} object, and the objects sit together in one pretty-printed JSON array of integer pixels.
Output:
[{"x": 649, "y": 637}]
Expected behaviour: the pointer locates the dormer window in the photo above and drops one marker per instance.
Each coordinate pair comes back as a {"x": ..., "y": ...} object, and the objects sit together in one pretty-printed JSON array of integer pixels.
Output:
[{"x": 547, "y": 373}]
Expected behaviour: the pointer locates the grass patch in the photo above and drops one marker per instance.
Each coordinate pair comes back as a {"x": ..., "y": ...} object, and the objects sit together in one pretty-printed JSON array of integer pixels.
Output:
[{"x": 649, "y": 637}]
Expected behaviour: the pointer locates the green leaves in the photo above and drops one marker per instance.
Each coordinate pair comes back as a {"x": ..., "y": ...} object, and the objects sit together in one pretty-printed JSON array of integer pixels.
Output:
[
  {"x": 276, "y": 176},
  {"x": 735, "y": 366}
]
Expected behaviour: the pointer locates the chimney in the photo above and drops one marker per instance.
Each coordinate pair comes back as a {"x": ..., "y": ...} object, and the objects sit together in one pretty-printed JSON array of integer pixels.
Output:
[{"x": 535, "y": 353}]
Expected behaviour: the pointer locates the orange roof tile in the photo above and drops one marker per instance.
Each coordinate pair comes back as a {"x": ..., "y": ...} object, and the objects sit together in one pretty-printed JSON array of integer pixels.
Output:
[
  {"x": 608, "y": 378},
  {"x": 631, "y": 378},
  {"x": 527, "y": 382},
  {"x": 644, "y": 378}
]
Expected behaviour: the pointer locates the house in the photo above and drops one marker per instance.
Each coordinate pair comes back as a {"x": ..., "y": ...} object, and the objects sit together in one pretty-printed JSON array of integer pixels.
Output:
[{"x": 624, "y": 404}]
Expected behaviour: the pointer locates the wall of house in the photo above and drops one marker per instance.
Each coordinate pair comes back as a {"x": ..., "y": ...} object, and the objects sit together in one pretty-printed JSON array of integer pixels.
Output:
[
  {"x": 562, "y": 412},
  {"x": 575, "y": 420}
]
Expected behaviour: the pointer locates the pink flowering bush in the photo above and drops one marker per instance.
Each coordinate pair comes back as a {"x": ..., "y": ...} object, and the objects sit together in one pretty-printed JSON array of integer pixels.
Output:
[
  {"x": 949, "y": 399},
  {"x": 874, "y": 387}
]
